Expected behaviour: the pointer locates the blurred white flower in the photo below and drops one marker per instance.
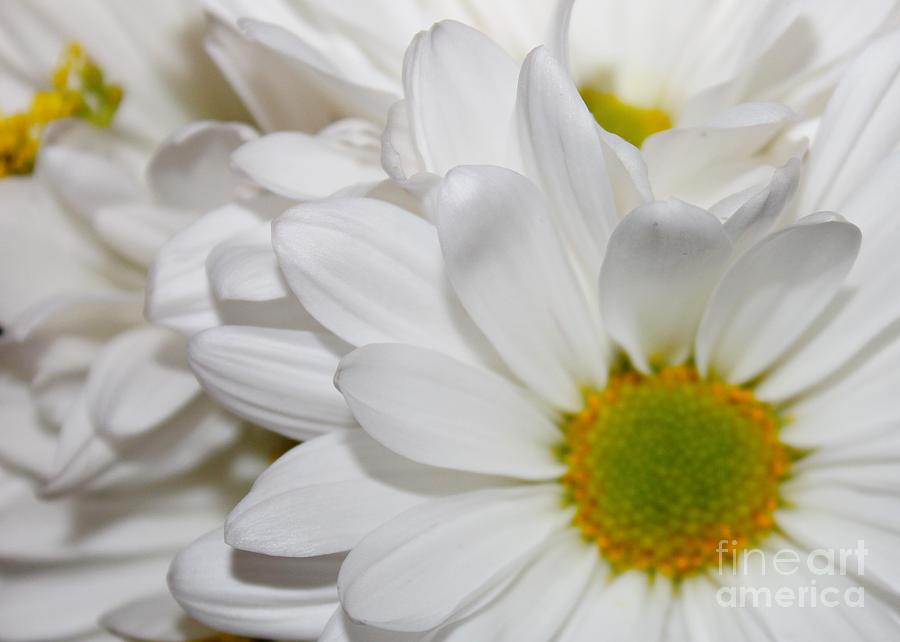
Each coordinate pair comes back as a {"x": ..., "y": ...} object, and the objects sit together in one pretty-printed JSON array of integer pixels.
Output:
[
  {"x": 99, "y": 405},
  {"x": 706, "y": 89},
  {"x": 487, "y": 363}
]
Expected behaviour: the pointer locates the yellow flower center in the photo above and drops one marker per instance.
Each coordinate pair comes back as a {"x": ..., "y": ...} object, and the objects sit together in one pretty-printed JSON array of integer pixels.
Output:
[
  {"x": 79, "y": 90},
  {"x": 630, "y": 122},
  {"x": 672, "y": 474}
]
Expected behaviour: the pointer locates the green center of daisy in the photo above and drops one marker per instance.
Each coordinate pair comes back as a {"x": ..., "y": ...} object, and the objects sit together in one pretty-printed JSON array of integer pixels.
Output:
[
  {"x": 663, "y": 468},
  {"x": 631, "y": 122}
]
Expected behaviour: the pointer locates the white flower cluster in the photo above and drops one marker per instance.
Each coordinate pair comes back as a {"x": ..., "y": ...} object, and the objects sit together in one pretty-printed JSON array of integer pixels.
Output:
[{"x": 449, "y": 321}]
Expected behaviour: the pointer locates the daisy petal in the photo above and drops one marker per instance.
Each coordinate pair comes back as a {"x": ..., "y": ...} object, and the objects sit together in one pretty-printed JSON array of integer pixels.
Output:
[
  {"x": 869, "y": 306},
  {"x": 560, "y": 575},
  {"x": 254, "y": 595},
  {"x": 772, "y": 294},
  {"x": 438, "y": 411},
  {"x": 279, "y": 379},
  {"x": 400, "y": 576},
  {"x": 859, "y": 127},
  {"x": 157, "y": 618},
  {"x": 192, "y": 168},
  {"x": 627, "y": 608},
  {"x": 342, "y": 629},
  {"x": 511, "y": 273},
  {"x": 300, "y": 166},
  {"x": 460, "y": 90},
  {"x": 244, "y": 268},
  {"x": 139, "y": 380},
  {"x": 329, "y": 492},
  {"x": 371, "y": 272},
  {"x": 564, "y": 154},
  {"x": 676, "y": 158},
  {"x": 178, "y": 293},
  {"x": 665, "y": 256}
]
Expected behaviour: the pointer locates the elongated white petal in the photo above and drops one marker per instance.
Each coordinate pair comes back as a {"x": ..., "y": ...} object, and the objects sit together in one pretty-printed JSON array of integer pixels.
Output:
[
  {"x": 564, "y": 154},
  {"x": 87, "y": 168},
  {"x": 342, "y": 629},
  {"x": 511, "y": 273},
  {"x": 178, "y": 291},
  {"x": 858, "y": 129},
  {"x": 401, "y": 577},
  {"x": 192, "y": 168},
  {"x": 347, "y": 96},
  {"x": 244, "y": 268},
  {"x": 772, "y": 294},
  {"x": 301, "y": 166},
  {"x": 254, "y": 595},
  {"x": 661, "y": 264},
  {"x": 629, "y": 607},
  {"x": 371, "y": 272},
  {"x": 460, "y": 90},
  {"x": 139, "y": 380},
  {"x": 758, "y": 215},
  {"x": 560, "y": 574},
  {"x": 274, "y": 90},
  {"x": 88, "y": 460},
  {"x": 155, "y": 618},
  {"x": 438, "y": 411},
  {"x": 868, "y": 305},
  {"x": 279, "y": 379},
  {"x": 678, "y": 158},
  {"x": 328, "y": 493}
]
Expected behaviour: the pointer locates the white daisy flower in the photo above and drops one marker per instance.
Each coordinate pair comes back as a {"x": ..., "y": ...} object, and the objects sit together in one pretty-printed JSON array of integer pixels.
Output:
[
  {"x": 706, "y": 89},
  {"x": 594, "y": 457},
  {"x": 100, "y": 406}
]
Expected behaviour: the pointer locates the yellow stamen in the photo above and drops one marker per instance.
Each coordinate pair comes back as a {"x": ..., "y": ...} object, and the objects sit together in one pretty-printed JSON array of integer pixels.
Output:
[
  {"x": 78, "y": 90},
  {"x": 631, "y": 122}
]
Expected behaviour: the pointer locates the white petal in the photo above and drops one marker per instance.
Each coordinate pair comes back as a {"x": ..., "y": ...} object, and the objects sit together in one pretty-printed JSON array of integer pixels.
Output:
[
  {"x": 301, "y": 166},
  {"x": 87, "y": 460},
  {"x": 426, "y": 565},
  {"x": 662, "y": 262},
  {"x": 156, "y": 618},
  {"x": 755, "y": 218},
  {"x": 279, "y": 379},
  {"x": 61, "y": 603},
  {"x": 326, "y": 494},
  {"x": 139, "y": 381},
  {"x": 370, "y": 101},
  {"x": 342, "y": 629},
  {"x": 858, "y": 129},
  {"x": 34, "y": 227},
  {"x": 772, "y": 294},
  {"x": 627, "y": 607},
  {"x": 178, "y": 291},
  {"x": 245, "y": 268},
  {"x": 138, "y": 230},
  {"x": 371, "y": 272},
  {"x": 274, "y": 89},
  {"x": 560, "y": 576},
  {"x": 867, "y": 306},
  {"x": 254, "y": 595},
  {"x": 460, "y": 90},
  {"x": 438, "y": 411},
  {"x": 511, "y": 273},
  {"x": 192, "y": 168},
  {"x": 861, "y": 396},
  {"x": 82, "y": 166},
  {"x": 677, "y": 157},
  {"x": 564, "y": 155}
]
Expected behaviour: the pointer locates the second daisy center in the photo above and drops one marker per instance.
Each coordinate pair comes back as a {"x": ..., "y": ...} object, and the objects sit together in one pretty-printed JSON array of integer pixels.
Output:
[
  {"x": 663, "y": 468},
  {"x": 631, "y": 122}
]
